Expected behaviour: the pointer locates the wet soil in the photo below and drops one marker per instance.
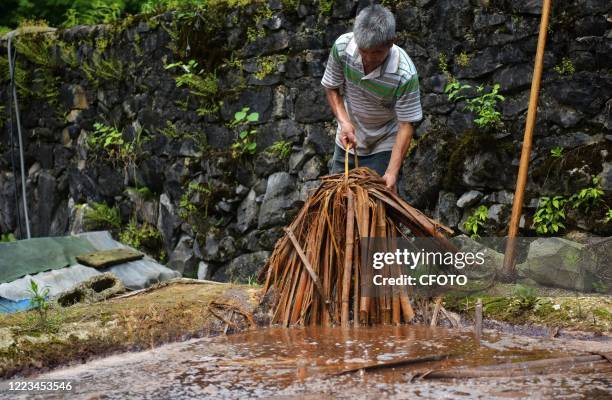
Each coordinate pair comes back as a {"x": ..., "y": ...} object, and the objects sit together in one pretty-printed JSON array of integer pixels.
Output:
[{"x": 304, "y": 363}]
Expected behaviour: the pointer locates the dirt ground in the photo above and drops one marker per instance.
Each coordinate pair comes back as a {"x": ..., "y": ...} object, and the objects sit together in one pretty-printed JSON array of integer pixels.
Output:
[{"x": 170, "y": 312}]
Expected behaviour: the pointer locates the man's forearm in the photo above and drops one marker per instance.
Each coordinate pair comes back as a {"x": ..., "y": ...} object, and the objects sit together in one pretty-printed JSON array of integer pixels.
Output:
[
  {"x": 337, "y": 105},
  {"x": 402, "y": 142}
]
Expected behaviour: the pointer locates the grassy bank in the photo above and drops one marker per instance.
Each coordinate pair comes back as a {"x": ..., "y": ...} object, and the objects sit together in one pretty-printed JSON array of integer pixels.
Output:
[
  {"x": 554, "y": 308},
  {"x": 169, "y": 313}
]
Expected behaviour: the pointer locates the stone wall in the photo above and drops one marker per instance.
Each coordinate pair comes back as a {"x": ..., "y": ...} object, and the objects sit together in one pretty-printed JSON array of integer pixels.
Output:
[{"x": 220, "y": 216}]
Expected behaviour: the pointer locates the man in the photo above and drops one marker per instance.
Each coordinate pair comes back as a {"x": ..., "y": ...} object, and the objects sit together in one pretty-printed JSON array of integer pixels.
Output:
[{"x": 379, "y": 98}]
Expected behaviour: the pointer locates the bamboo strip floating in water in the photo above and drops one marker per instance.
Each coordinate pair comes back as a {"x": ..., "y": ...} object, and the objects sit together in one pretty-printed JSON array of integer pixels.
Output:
[{"x": 315, "y": 268}]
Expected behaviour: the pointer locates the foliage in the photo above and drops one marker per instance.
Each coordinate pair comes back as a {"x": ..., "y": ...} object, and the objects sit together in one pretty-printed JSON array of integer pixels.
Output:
[
  {"x": 325, "y": 6},
  {"x": 201, "y": 84},
  {"x": 483, "y": 105},
  {"x": 102, "y": 69},
  {"x": 66, "y": 13},
  {"x": 144, "y": 237},
  {"x": 588, "y": 197},
  {"x": 608, "y": 216},
  {"x": 39, "y": 302},
  {"x": 476, "y": 221},
  {"x": 195, "y": 199},
  {"x": 7, "y": 237},
  {"x": 523, "y": 299},
  {"x": 267, "y": 65},
  {"x": 550, "y": 215},
  {"x": 37, "y": 48},
  {"x": 101, "y": 216},
  {"x": 566, "y": 67},
  {"x": 245, "y": 144},
  {"x": 443, "y": 64},
  {"x": 109, "y": 140},
  {"x": 463, "y": 59},
  {"x": 281, "y": 148},
  {"x": 557, "y": 152}
]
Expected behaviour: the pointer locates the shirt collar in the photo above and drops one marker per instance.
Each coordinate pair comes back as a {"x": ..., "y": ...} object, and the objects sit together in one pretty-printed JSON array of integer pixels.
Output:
[{"x": 393, "y": 57}]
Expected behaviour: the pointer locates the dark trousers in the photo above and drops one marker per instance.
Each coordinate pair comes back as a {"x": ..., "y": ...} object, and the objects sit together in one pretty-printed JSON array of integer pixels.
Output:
[{"x": 377, "y": 161}]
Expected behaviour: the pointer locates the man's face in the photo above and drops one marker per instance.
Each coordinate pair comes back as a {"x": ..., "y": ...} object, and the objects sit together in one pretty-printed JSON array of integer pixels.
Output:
[{"x": 375, "y": 56}]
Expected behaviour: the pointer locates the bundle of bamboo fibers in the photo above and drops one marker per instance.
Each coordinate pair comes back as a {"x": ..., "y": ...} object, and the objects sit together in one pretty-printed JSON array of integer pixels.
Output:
[{"x": 314, "y": 270}]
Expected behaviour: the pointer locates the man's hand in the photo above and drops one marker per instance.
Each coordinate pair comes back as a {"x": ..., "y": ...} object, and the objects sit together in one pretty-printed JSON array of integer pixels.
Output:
[
  {"x": 347, "y": 134},
  {"x": 391, "y": 181}
]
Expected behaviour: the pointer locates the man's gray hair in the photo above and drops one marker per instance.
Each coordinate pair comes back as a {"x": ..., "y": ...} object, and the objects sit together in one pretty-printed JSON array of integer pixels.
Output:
[{"x": 374, "y": 27}]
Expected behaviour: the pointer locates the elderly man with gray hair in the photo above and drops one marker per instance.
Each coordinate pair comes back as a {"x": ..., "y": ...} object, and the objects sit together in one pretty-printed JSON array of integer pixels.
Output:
[{"x": 373, "y": 90}]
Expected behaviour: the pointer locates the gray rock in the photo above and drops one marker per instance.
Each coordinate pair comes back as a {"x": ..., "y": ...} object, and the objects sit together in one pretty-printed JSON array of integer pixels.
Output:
[
  {"x": 561, "y": 263},
  {"x": 243, "y": 268},
  {"x": 278, "y": 200},
  {"x": 496, "y": 213},
  {"x": 247, "y": 212},
  {"x": 203, "y": 270},
  {"x": 469, "y": 199},
  {"x": 493, "y": 260},
  {"x": 183, "y": 259},
  {"x": 312, "y": 169},
  {"x": 241, "y": 191},
  {"x": 320, "y": 138},
  {"x": 167, "y": 221},
  {"x": 446, "y": 209},
  {"x": 308, "y": 188},
  {"x": 297, "y": 160},
  {"x": 606, "y": 177},
  {"x": 502, "y": 197}
]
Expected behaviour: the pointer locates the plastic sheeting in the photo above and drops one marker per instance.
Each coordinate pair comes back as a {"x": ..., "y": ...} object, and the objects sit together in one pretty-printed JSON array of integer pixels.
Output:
[{"x": 134, "y": 274}]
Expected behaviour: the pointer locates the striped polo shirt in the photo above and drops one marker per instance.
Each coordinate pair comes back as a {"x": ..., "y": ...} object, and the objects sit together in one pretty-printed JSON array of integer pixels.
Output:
[{"x": 375, "y": 102}]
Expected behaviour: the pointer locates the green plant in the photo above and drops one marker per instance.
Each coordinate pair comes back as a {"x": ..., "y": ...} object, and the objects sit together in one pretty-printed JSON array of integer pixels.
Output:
[
  {"x": 557, "y": 152},
  {"x": 267, "y": 65},
  {"x": 203, "y": 85},
  {"x": 101, "y": 216},
  {"x": 483, "y": 105},
  {"x": 549, "y": 215},
  {"x": 196, "y": 198},
  {"x": 443, "y": 64},
  {"x": 325, "y": 7},
  {"x": 608, "y": 216},
  {"x": 144, "y": 237},
  {"x": 255, "y": 33},
  {"x": 463, "y": 59},
  {"x": 523, "y": 299},
  {"x": 476, "y": 221},
  {"x": 245, "y": 144},
  {"x": 566, "y": 67},
  {"x": 110, "y": 141},
  {"x": 281, "y": 148},
  {"x": 39, "y": 302},
  {"x": 100, "y": 69},
  {"x": 588, "y": 197},
  {"x": 7, "y": 237}
]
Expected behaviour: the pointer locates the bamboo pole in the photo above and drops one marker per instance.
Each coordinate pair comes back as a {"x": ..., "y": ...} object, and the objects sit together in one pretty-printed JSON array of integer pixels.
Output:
[
  {"x": 348, "y": 252},
  {"x": 519, "y": 193}
]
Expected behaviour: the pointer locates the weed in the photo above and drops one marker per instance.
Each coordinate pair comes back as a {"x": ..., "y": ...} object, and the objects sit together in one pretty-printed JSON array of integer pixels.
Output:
[
  {"x": 281, "y": 148},
  {"x": 325, "y": 7},
  {"x": 144, "y": 237},
  {"x": 195, "y": 199},
  {"x": 255, "y": 33},
  {"x": 101, "y": 216},
  {"x": 203, "y": 85},
  {"x": 39, "y": 302},
  {"x": 267, "y": 65},
  {"x": 483, "y": 105},
  {"x": 565, "y": 67},
  {"x": 101, "y": 69},
  {"x": 550, "y": 215},
  {"x": 588, "y": 197},
  {"x": 463, "y": 60},
  {"x": 557, "y": 152},
  {"x": 245, "y": 144},
  {"x": 608, "y": 216},
  {"x": 476, "y": 221},
  {"x": 7, "y": 237}
]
